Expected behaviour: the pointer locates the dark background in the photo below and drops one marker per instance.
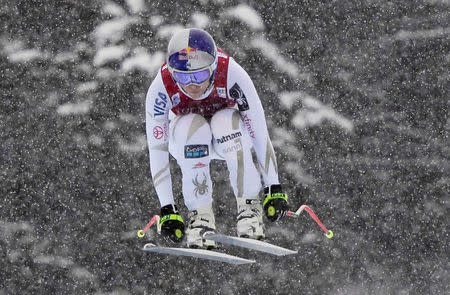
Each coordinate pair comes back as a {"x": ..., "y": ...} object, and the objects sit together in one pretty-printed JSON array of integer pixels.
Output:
[{"x": 75, "y": 185}]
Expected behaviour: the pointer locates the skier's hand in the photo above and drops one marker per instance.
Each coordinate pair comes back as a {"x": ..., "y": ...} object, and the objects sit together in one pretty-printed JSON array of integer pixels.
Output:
[
  {"x": 172, "y": 225},
  {"x": 275, "y": 202}
]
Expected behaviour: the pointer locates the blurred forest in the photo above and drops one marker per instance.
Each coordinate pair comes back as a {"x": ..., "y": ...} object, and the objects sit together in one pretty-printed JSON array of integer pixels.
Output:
[{"x": 356, "y": 96}]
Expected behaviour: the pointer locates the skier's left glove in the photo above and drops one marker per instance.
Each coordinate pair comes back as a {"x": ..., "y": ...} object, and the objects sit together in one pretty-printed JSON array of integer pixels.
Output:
[
  {"x": 275, "y": 202},
  {"x": 172, "y": 225}
]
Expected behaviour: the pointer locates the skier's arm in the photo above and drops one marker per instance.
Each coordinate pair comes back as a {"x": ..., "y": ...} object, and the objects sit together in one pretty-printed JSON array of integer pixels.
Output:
[
  {"x": 157, "y": 108},
  {"x": 241, "y": 88}
]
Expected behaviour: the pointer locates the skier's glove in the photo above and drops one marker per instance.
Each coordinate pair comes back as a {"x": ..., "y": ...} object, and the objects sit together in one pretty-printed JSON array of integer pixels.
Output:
[
  {"x": 172, "y": 225},
  {"x": 275, "y": 202}
]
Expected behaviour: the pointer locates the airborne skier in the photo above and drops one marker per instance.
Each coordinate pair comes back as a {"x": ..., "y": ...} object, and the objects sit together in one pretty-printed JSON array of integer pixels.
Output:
[{"x": 202, "y": 105}]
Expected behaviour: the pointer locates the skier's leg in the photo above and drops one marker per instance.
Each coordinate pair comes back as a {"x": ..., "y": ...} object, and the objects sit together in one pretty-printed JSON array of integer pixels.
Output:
[
  {"x": 232, "y": 142},
  {"x": 190, "y": 144}
]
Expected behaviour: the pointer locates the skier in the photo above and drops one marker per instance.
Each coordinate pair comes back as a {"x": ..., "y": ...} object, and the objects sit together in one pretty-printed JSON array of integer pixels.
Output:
[{"x": 202, "y": 105}]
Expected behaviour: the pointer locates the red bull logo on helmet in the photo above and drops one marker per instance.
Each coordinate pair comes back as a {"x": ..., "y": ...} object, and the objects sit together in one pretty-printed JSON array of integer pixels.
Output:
[
  {"x": 188, "y": 53},
  {"x": 191, "y": 49}
]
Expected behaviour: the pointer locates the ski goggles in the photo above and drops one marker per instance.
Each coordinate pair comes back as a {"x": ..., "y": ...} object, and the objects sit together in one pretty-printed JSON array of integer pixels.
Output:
[{"x": 188, "y": 77}]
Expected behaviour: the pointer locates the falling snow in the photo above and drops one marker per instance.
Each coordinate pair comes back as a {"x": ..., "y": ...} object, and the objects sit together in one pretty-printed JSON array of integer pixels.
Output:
[{"x": 356, "y": 99}]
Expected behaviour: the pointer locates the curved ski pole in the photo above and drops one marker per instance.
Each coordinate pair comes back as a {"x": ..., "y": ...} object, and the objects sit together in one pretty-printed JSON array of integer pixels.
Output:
[
  {"x": 328, "y": 233},
  {"x": 155, "y": 218}
]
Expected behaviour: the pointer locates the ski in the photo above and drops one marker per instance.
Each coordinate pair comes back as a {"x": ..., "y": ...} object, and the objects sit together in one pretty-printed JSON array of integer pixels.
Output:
[
  {"x": 249, "y": 244},
  {"x": 197, "y": 253}
]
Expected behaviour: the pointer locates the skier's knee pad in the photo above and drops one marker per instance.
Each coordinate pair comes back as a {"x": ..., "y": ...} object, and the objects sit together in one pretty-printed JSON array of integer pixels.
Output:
[
  {"x": 229, "y": 134},
  {"x": 190, "y": 138}
]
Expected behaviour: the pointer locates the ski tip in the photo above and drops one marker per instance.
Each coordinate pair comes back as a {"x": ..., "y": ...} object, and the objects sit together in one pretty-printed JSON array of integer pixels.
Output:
[
  {"x": 330, "y": 234},
  {"x": 148, "y": 246}
]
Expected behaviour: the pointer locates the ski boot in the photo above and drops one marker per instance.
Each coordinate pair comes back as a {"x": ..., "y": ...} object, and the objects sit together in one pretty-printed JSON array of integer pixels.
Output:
[
  {"x": 250, "y": 220},
  {"x": 201, "y": 221}
]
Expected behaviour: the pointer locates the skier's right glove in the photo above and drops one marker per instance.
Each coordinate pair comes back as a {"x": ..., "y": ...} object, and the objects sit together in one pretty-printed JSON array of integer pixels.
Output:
[
  {"x": 275, "y": 202},
  {"x": 172, "y": 225}
]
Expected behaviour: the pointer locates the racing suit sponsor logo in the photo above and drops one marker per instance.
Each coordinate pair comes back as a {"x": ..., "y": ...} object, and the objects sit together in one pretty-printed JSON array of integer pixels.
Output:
[
  {"x": 229, "y": 137},
  {"x": 199, "y": 165},
  {"x": 201, "y": 187},
  {"x": 221, "y": 92},
  {"x": 248, "y": 124},
  {"x": 166, "y": 130},
  {"x": 176, "y": 99},
  {"x": 233, "y": 148},
  {"x": 237, "y": 94},
  {"x": 196, "y": 151},
  {"x": 160, "y": 104},
  {"x": 158, "y": 132}
]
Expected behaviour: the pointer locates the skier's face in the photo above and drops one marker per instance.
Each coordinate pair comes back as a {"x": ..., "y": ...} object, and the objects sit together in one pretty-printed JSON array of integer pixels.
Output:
[{"x": 195, "y": 91}]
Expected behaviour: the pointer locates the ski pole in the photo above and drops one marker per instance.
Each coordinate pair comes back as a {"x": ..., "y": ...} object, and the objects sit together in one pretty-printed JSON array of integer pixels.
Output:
[
  {"x": 328, "y": 233},
  {"x": 155, "y": 218}
]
